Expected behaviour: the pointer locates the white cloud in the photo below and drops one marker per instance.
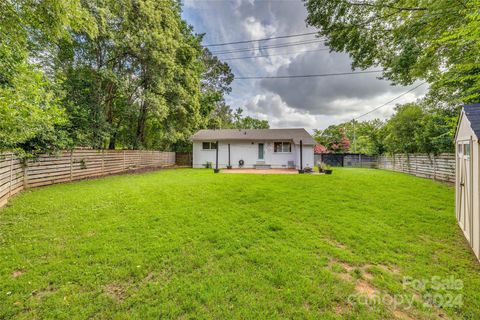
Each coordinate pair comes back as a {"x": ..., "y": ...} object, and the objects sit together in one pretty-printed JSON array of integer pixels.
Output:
[
  {"x": 312, "y": 102},
  {"x": 256, "y": 30}
]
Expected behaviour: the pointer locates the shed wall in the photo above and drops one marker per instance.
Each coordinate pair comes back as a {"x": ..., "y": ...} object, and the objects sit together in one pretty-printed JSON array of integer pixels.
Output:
[{"x": 465, "y": 133}]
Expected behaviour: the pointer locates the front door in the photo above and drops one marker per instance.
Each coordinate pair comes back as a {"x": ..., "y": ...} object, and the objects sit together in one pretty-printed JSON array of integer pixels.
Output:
[{"x": 260, "y": 151}]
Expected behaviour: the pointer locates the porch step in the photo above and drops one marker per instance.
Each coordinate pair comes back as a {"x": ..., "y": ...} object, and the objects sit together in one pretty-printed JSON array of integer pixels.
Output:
[{"x": 262, "y": 166}]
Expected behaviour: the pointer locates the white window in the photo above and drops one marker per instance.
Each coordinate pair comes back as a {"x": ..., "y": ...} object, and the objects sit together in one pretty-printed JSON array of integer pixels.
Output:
[
  {"x": 282, "y": 147},
  {"x": 467, "y": 149},
  {"x": 209, "y": 146}
]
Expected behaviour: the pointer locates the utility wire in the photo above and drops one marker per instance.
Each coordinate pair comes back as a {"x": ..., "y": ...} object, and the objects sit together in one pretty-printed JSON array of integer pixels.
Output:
[
  {"x": 388, "y": 102},
  {"x": 280, "y": 45},
  {"x": 309, "y": 75},
  {"x": 264, "y": 39},
  {"x": 274, "y": 54}
]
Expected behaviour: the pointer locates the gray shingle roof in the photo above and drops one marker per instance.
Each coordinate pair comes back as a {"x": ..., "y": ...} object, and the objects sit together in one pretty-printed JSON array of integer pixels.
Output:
[
  {"x": 472, "y": 112},
  {"x": 255, "y": 134}
]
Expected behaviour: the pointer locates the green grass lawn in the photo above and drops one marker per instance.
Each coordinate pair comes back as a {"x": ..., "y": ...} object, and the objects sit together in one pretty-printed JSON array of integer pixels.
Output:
[{"x": 191, "y": 244}]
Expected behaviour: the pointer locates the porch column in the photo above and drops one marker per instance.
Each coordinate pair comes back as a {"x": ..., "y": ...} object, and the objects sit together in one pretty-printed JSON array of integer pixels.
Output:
[
  {"x": 229, "y": 164},
  {"x": 216, "y": 158},
  {"x": 301, "y": 157}
]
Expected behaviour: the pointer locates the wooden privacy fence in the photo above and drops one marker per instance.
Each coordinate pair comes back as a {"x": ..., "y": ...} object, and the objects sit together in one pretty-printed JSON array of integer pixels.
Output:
[
  {"x": 184, "y": 159},
  {"x": 346, "y": 160},
  {"x": 73, "y": 165},
  {"x": 438, "y": 167}
]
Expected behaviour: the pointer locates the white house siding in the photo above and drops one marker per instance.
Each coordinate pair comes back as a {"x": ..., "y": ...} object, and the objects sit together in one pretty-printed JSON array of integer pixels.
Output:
[
  {"x": 308, "y": 156},
  {"x": 248, "y": 152}
]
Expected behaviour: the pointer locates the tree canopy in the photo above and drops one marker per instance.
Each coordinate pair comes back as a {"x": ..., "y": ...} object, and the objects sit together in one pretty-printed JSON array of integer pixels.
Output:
[
  {"x": 413, "y": 128},
  {"x": 437, "y": 41}
]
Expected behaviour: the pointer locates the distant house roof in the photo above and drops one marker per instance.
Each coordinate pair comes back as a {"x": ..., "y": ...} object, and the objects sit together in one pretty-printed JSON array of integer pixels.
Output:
[
  {"x": 255, "y": 134},
  {"x": 472, "y": 112}
]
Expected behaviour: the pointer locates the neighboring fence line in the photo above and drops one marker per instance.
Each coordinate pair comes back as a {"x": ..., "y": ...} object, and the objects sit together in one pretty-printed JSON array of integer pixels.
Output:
[
  {"x": 346, "y": 160},
  {"x": 438, "y": 167},
  {"x": 73, "y": 165}
]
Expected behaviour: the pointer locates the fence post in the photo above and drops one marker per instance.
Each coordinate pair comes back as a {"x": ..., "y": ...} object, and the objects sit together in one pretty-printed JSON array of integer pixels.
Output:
[
  {"x": 25, "y": 173},
  {"x": 124, "y": 166},
  {"x": 11, "y": 175},
  {"x": 103, "y": 162},
  {"x": 71, "y": 165}
]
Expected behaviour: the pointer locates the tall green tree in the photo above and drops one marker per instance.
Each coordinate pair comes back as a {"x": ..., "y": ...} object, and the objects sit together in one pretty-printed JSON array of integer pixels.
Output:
[
  {"x": 403, "y": 128},
  {"x": 136, "y": 83},
  {"x": 215, "y": 84},
  {"x": 31, "y": 116}
]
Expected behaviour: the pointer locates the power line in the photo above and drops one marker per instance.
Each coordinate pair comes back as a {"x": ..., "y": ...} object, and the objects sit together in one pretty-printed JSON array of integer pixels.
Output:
[
  {"x": 280, "y": 45},
  {"x": 264, "y": 39},
  {"x": 271, "y": 55},
  {"x": 386, "y": 103},
  {"x": 309, "y": 75}
]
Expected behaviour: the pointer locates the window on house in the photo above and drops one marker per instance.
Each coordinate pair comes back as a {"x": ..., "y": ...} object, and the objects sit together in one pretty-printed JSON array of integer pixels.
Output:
[
  {"x": 282, "y": 147},
  {"x": 209, "y": 146}
]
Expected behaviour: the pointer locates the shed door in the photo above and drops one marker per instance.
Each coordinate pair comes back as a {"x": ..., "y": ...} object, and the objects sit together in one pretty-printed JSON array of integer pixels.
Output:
[{"x": 465, "y": 188}]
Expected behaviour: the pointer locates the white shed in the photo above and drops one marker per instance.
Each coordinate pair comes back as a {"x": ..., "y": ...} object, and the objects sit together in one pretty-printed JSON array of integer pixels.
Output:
[{"x": 467, "y": 199}]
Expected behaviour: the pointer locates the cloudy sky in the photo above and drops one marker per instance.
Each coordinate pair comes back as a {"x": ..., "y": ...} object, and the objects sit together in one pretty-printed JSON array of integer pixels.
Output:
[{"x": 295, "y": 102}]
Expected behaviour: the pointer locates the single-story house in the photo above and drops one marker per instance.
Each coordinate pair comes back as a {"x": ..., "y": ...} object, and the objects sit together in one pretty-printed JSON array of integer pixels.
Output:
[
  {"x": 468, "y": 172},
  {"x": 253, "y": 148}
]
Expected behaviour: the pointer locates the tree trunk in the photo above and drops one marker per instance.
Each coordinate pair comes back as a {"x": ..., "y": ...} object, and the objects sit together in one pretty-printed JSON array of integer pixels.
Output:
[
  {"x": 113, "y": 136},
  {"x": 140, "y": 140}
]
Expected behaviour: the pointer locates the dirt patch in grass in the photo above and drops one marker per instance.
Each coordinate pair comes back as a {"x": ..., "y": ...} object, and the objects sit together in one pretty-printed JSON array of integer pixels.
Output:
[
  {"x": 17, "y": 273},
  {"x": 367, "y": 276},
  {"x": 345, "y": 276},
  {"x": 365, "y": 288},
  {"x": 362, "y": 276},
  {"x": 342, "y": 309},
  {"x": 388, "y": 269},
  {"x": 115, "y": 291},
  {"x": 335, "y": 243},
  {"x": 398, "y": 314},
  {"x": 43, "y": 293}
]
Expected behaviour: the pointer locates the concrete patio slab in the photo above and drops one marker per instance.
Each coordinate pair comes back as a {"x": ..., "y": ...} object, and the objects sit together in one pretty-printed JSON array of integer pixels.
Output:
[{"x": 261, "y": 171}]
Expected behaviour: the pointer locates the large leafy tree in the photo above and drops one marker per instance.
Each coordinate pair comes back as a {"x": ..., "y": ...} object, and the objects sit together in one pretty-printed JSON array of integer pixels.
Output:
[
  {"x": 402, "y": 129},
  {"x": 215, "y": 84},
  {"x": 137, "y": 82},
  {"x": 437, "y": 41},
  {"x": 31, "y": 117}
]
